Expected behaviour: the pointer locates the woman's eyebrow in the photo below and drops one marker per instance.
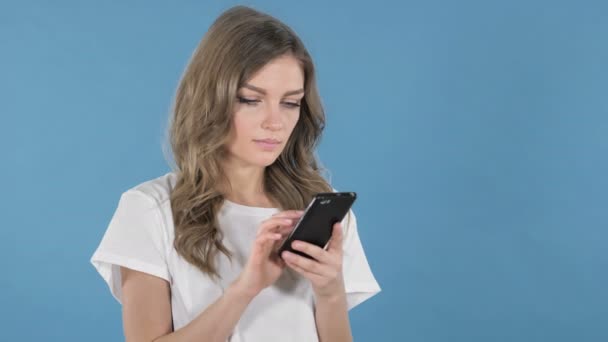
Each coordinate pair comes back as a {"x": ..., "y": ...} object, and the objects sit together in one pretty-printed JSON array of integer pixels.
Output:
[{"x": 262, "y": 91}]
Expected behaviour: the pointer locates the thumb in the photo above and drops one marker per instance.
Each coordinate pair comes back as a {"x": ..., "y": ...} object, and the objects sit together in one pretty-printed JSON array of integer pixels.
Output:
[{"x": 336, "y": 237}]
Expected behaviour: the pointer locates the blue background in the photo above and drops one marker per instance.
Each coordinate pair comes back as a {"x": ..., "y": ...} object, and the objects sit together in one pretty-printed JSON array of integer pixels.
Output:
[{"x": 475, "y": 133}]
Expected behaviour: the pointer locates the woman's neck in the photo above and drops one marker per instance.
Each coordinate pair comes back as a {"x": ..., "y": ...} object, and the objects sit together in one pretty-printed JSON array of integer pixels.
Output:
[{"x": 246, "y": 186}]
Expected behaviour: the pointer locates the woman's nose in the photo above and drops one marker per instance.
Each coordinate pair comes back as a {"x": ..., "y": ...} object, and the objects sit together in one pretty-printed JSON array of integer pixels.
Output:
[{"x": 272, "y": 120}]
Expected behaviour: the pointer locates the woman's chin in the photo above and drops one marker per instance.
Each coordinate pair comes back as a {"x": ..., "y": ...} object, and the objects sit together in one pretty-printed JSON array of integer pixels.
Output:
[{"x": 264, "y": 161}]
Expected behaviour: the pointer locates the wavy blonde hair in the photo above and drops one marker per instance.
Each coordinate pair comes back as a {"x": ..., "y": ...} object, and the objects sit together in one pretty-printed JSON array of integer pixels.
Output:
[{"x": 238, "y": 43}]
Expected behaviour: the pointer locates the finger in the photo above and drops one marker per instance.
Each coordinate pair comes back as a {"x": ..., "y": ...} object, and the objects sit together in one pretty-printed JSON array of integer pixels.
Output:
[
  {"x": 285, "y": 229},
  {"x": 321, "y": 255},
  {"x": 314, "y": 278},
  {"x": 266, "y": 239},
  {"x": 273, "y": 224},
  {"x": 289, "y": 217},
  {"x": 289, "y": 213},
  {"x": 308, "y": 265},
  {"x": 335, "y": 243},
  {"x": 278, "y": 260},
  {"x": 261, "y": 249}
]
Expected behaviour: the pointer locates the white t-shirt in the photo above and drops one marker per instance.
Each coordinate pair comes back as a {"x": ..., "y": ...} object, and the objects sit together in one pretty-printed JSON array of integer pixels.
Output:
[{"x": 140, "y": 236}]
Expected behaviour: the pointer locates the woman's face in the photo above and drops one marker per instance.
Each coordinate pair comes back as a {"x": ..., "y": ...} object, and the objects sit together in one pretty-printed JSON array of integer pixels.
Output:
[{"x": 266, "y": 112}]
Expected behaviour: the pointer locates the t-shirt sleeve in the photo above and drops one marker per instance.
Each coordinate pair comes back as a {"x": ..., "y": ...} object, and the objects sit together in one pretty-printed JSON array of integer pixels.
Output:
[
  {"x": 359, "y": 281},
  {"x": 133, "y": 239}
]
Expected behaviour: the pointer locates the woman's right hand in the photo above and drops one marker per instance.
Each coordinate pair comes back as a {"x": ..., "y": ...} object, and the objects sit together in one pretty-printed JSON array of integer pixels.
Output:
[{"x": 264, "y": 267}]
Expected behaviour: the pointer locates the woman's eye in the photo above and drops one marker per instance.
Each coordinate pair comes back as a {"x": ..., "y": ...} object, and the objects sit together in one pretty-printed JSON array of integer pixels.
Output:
[
  {"x": 292, "y": 104},
  {"x": 253, "y": 102},
  {"x": 246, "y": 101}
]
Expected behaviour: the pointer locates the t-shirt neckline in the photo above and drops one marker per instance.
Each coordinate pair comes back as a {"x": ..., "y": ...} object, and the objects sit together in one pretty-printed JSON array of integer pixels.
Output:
[{"x": 245, "y": 209}]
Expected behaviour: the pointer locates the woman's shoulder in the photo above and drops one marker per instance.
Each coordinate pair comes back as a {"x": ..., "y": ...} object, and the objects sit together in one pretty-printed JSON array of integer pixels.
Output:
[{"x": 157, "y": 189}]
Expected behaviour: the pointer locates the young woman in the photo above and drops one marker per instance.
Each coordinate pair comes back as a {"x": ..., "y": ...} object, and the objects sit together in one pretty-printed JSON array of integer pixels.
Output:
[{"x": 189, "y": 255}]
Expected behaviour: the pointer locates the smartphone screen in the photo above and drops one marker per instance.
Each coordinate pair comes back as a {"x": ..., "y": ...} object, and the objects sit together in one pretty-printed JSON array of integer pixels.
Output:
[{"x": 316, "y": 224}]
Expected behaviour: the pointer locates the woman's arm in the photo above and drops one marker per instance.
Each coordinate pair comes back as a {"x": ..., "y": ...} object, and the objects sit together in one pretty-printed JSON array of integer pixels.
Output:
[
  {"x": 146, "y": 299},
  {"x": 146, "y": 302},
  {"x": 331, "y": 316},
  {"x": 325, "y": 275}
]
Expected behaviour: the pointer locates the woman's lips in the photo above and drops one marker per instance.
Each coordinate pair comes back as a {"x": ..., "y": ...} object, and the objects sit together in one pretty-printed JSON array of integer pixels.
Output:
[{"x": 267, "y": 144}]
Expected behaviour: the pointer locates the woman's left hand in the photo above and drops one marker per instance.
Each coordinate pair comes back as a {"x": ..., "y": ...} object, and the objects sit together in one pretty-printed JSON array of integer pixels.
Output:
[{"x": 325, "y": 270}]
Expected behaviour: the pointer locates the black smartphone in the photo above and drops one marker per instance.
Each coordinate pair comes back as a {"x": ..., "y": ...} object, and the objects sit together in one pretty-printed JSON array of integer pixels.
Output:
[{"x": 315, "y": 225}]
